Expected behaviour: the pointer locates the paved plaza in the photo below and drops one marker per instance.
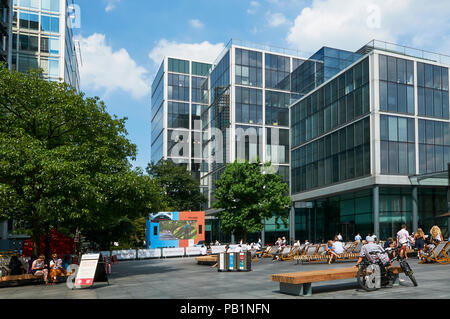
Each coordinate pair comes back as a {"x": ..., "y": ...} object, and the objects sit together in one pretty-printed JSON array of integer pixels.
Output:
[{"x": 182, "y": 278}]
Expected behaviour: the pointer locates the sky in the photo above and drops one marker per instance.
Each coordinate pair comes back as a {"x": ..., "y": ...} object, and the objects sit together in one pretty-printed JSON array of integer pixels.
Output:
[{"x": 123, "y": 42}]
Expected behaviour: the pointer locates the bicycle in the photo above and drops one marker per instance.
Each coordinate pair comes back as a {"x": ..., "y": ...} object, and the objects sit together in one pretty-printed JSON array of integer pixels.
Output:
[{"x": 369, "y": 272}]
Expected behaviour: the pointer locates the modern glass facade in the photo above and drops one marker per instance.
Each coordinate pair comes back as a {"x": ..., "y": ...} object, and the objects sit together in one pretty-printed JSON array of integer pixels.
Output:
[
  {"x": 177, "y": 103},
  {"x": 5, "y": 30},
  {"x": 397, "y": 128},
  {"x": 348, "y": 131},
  {"x": 43, "y": 38}
]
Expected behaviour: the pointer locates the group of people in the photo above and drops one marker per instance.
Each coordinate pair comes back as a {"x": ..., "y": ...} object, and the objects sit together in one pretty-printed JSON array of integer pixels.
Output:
[{"x": 39, "y": 267}]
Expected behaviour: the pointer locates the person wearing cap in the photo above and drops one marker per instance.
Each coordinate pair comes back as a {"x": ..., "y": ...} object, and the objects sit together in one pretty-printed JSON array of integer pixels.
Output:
[{"x": 371, "y": 247}]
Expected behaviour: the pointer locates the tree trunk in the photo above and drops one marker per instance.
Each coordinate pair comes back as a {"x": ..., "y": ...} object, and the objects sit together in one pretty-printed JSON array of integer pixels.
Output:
[
  {"x": 47, "y": 251},
  {"x": 36, "y": 237}
]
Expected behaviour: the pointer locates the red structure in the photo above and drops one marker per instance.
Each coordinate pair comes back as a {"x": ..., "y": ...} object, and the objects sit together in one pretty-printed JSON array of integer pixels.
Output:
[{"x": 59, "y": 244}]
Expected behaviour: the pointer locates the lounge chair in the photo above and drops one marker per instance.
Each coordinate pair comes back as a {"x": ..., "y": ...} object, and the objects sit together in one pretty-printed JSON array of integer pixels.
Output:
[
  {"x": 444, "y": 257},
  {"x": 434, "y": 254}
]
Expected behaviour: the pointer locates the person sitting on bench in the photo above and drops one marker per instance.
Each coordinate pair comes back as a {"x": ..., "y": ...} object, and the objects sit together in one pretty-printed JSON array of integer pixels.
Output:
[
  {"x": 56, "y": 268},
  {"x": 15, "y": 266},
  {"x": 39, "y": 268}
]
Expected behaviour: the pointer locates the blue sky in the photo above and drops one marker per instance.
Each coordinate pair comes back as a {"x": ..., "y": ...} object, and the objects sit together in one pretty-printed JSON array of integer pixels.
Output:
[{"x": 123, "y": 41}]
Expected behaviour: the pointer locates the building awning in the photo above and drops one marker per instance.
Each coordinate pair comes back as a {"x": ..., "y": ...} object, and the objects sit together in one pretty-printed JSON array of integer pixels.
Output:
[{"x": 433, "y": 179}]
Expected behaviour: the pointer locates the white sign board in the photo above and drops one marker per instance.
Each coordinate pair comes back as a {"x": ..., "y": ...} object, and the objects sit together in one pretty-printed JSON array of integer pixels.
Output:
[{"x": 86, "y": 270}]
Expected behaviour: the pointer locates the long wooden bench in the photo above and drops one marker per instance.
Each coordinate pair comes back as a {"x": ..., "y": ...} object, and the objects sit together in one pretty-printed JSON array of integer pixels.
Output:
[
  {"x": 27, "y": 279},
  {"x": 300, "y": 283},
  {"x": 207, "y": 260}
]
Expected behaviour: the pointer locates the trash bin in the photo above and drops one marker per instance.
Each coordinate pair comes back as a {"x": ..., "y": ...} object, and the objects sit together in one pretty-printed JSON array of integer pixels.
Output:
[
  {"x": 224, "y": 259},
  {"x": 233, "y": 262},
  {"x": 245, "y": 261}
]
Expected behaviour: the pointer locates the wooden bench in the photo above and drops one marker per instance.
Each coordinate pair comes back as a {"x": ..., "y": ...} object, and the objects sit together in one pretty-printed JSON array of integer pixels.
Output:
[
  {"x": 207, "y": 260},
  {"x": 299, "y": 283},
  {"x": 27, "y": 279}
]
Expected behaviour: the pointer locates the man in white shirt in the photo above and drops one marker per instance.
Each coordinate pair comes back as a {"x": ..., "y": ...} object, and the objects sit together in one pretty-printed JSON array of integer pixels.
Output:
[
  {"x": 339, "y": 237},
  {"x": 358, "y": 237},
  {"x": 402, "y": 240},
  {"x": 338, "y": 248}
]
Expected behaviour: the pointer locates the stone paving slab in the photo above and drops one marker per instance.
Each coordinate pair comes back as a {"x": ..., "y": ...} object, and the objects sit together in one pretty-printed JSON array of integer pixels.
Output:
[{"x": 182, "y": 278}]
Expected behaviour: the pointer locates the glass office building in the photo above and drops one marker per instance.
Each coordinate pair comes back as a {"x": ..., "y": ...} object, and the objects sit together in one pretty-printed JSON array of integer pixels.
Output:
[
  {"x": 177, "y": 103},
  {"x": 363, "y": 138},
  {"x": 37, "y": 34},
  {"x": 5, "y": 30},
  {"x": 42, "y": 37},
  {"x": 370, "y": 147}
]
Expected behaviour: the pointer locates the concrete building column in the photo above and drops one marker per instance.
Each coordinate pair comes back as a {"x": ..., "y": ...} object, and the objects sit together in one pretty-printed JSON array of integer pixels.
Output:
[
  {"x": 292, "y": 224},
  {"x": 233, "y": 240},
  {"x": 376, "y": 210},
  {"x": 415, "y": 216}
]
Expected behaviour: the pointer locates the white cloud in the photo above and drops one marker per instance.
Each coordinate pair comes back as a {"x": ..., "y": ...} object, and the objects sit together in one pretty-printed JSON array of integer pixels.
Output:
[
  {"x": 195, "y": 23},
  {"x": 352, "y": 23},
  {"x": 111, "y": 5},
  {"x": 254, "y": 5},
  {"x": 203, "y": 51},
  {"x": 109, "y": 70},
  {"x": 276, "y": 19}
]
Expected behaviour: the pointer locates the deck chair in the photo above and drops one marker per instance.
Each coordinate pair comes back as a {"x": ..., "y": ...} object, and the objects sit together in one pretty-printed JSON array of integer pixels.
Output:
[
  {"x": 292, "y": 253},
  {"x": 432, "y": 256},
  {"x": 310, "y": 254},
  {"x": 443, "y": 257},
  {"x": 354, "y": 253},
  {"x": 285, "y": 253},
  {"x": 271, "y": 253},
  {"x": 264, "y": 253}
]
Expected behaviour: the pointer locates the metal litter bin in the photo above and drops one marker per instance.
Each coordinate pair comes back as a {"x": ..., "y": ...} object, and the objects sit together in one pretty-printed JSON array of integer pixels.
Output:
[{"x": 245, "y": 261}]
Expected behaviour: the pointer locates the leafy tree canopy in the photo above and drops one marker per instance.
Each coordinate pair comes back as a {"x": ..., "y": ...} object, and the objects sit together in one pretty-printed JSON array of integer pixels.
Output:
[
  {"x": 248, "y": 193},
  {"x": 181, "y": 191},
  {"x": 64, "y": 160}
]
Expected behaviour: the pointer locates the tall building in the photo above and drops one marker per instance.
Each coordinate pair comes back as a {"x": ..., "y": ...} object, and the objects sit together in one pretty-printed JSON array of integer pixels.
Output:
[
  {"x": 37, "y": 34},
  {"x": 363, "y": 138},
  {"x": 43, "y": 37},
  {"x": 5, "y": 30},
  {"x": 177, "y": 102},
  {"x": 370, "y": 147}
]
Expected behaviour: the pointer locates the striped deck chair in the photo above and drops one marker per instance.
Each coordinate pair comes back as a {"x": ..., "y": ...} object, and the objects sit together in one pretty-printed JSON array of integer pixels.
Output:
[
  {"x": 444, "y": 257},
  {"x": 271, "y": 252},
  {"x": 319, "y": 256},
  {"x": 309, "y": 252},
  {"x": 292, "y": 253},
  {"x": 285, "y": 253},
  {"x": 432, "y": 255},
  {"x": 264, "y": 253},
  {"x": 354, "y": 253}
]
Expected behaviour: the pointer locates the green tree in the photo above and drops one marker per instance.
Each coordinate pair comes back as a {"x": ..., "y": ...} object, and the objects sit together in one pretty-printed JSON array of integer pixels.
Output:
[
  {"x": 64, "y": 160},
  {"x": 247, "y": 193},
  {"x": 181, "y": 190}
]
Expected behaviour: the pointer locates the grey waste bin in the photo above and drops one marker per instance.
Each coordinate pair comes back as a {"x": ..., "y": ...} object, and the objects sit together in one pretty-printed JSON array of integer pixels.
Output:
[
  {"x": 223, "y": 262},
  {"x": 245, "y": 261}
]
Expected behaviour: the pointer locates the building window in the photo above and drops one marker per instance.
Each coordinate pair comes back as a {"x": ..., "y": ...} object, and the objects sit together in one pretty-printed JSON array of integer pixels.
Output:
[
  {"x": 179, "y": 66},
  {"x": 277, "y": 108},
  {"x": 340, "y": 101},
  {"x": 248, "y": 68},
  {"x": 434, "y": 146},
  {"x": 396, "y": 85},
  {"x": 397, "y": 135},
  {"x": 277, "y": 72},
  {"x": 29, "y": 21},
  {"x": 248, "y": 105},
  {"x": 432, "y": 86},
  {"x": 178, "y": 115},
  {"x": 178, "y": 88}
]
